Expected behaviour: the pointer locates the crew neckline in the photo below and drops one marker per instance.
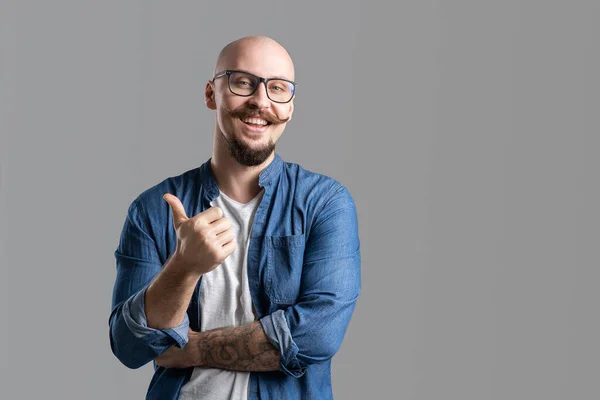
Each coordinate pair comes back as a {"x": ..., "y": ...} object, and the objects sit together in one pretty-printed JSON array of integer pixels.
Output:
[{"x": 242, "y": 204}]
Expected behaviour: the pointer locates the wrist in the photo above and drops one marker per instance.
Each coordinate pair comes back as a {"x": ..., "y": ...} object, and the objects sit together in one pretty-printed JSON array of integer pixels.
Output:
[
  {"x": 184, "y": 270},
  {"x": 194, "y": 352}
]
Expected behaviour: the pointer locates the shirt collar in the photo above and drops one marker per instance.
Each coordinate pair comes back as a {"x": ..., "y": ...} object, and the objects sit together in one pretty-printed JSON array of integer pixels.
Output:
[{"x": 266, "y": 176}]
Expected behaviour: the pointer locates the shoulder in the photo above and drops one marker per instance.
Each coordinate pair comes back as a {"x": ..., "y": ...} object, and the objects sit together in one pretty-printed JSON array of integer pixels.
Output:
[{"x": 325, "y": 190}]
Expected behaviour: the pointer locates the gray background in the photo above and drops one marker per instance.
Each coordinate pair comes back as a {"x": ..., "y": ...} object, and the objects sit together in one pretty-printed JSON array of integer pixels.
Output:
[{"x": 466, "y": 131}]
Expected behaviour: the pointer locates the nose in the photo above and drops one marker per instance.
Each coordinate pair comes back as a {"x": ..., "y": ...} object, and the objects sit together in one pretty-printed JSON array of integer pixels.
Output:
[{"x": 259, "y": 98}]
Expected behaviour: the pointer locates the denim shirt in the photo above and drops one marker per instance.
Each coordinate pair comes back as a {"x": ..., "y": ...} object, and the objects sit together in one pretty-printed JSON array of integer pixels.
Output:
[{"x": 303, "y": 272}]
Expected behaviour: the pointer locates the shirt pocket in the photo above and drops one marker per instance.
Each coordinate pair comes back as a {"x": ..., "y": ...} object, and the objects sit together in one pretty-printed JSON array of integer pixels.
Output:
[{"x": 285, "y": 256}]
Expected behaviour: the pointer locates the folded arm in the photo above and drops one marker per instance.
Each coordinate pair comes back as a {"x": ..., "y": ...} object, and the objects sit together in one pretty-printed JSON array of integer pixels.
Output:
[
  {"x": 308, "y": 332},
  {"x": 241, "y": 348}
]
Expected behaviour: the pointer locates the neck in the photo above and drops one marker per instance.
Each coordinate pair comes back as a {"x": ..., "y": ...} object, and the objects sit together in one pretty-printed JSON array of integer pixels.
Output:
[{"x": 237, "y": 181}]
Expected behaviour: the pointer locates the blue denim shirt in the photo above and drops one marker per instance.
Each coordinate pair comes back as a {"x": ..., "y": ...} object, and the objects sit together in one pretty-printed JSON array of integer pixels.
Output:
[{"x": 303, "y": 271}]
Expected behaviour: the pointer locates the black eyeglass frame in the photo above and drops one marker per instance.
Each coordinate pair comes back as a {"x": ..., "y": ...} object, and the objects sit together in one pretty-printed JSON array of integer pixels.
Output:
[{"x": 228, "y": 72}]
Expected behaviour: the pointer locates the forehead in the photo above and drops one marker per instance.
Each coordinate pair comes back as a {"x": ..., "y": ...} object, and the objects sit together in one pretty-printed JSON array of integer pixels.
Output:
[{"x": 264, "y": 60}]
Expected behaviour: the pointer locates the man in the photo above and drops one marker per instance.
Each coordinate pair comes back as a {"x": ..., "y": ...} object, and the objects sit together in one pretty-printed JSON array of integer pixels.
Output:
[{"x": 238, "y": 278}]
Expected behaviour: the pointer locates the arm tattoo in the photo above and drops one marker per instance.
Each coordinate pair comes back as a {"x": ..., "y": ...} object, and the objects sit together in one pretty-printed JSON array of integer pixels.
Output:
[{"x": 241, "y": 348}]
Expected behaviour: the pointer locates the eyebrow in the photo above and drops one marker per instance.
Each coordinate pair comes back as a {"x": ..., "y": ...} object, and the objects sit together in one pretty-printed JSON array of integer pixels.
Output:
[
  {"x": 270, "y": 77},
  {"x": 281, "y": 77}
]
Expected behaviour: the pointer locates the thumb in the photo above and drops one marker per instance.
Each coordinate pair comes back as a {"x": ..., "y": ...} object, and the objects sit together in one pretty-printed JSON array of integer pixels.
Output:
[{"x": 177, "y": 208}]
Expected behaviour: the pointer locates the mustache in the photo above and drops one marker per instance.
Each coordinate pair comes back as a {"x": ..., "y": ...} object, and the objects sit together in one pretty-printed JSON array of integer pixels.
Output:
[{"x": 244, "y": 112}]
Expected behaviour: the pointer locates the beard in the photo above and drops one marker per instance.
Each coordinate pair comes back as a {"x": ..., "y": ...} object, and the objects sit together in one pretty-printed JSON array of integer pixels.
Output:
[
  {"x": 240, "y": 150},
  {"x": 246, "y": 155}
]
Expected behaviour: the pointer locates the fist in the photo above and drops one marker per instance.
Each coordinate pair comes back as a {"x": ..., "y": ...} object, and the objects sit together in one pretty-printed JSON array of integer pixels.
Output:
[{"x": 205, "y": 240}]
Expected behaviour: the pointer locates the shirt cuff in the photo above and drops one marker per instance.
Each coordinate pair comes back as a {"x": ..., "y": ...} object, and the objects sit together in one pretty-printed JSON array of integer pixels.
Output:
[
  {"x": 277, "y": 330},
  {"x": 134, "y": 315}
]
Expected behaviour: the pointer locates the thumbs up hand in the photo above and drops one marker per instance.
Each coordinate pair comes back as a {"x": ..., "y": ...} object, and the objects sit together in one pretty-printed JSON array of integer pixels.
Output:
[{"x": 204, "y": 241}]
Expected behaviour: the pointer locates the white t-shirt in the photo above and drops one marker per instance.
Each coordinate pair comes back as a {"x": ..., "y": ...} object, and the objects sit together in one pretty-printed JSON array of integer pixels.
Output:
[{"x": 225, "y": 301}]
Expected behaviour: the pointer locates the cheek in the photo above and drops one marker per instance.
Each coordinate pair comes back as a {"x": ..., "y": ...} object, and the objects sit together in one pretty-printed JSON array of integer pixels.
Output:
[
  {"x": 282, "y": 113},
  {"x": 222, "y": 115},
  {"x": 227, "y": 101},
  {"x": 224, "y": 122}
]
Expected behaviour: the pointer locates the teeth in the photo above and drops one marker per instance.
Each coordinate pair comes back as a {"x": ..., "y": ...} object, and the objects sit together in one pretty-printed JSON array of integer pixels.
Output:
[{"x": 256, "y": 121}]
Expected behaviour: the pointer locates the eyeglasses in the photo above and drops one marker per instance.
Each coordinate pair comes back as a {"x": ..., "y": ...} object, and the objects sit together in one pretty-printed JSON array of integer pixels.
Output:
[{"x": 245, "y": 84}]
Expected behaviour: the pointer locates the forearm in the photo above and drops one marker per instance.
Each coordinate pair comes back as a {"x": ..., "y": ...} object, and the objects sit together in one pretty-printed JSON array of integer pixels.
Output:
[
  {"x": 168, "y": 296},
  {"x": 242, "y": 348}
]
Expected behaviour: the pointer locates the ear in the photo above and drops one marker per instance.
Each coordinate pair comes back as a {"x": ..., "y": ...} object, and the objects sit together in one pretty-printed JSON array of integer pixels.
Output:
[{"x": 209, "y": 96}]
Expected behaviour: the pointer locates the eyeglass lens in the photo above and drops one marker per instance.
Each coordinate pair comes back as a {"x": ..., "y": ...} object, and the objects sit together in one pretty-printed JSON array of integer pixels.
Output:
[{"x": 244, "y": 84}]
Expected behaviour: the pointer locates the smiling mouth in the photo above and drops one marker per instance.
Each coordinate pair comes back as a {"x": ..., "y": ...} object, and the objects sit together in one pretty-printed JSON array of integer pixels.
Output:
[{"x": 255, "y": 122}]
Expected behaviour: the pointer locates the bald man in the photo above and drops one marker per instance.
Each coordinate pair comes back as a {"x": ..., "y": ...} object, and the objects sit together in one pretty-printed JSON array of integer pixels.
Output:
[{"x": 238, "y": 278}]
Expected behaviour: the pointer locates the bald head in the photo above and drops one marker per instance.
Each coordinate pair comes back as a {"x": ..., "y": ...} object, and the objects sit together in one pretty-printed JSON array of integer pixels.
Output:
[{"x": 260, "y": 55}]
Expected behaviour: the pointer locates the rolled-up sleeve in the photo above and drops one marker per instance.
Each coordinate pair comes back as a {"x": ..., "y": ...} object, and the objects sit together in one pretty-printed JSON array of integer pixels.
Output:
[
  {"x": 131, "y": 340},
  {"x": 311, "y": 331}
]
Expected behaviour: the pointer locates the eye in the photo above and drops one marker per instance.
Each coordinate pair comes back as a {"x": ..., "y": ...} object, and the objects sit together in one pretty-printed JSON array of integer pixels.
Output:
[{"x": 278, "y": 87}]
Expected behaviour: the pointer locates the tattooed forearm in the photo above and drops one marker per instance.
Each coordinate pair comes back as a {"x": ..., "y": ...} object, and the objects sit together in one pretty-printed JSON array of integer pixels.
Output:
[{"x": 241, "y": 348}]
